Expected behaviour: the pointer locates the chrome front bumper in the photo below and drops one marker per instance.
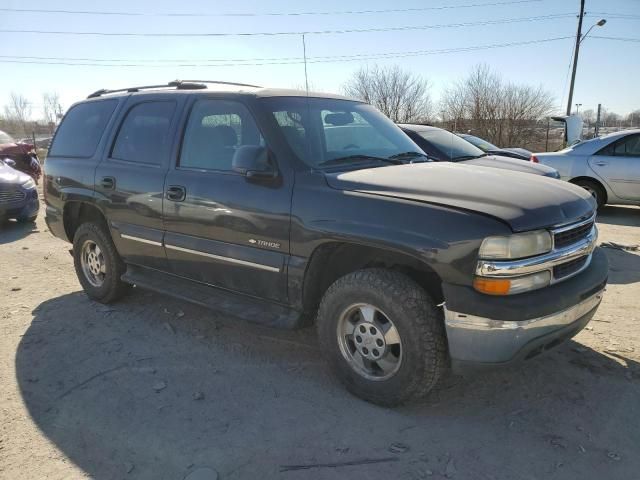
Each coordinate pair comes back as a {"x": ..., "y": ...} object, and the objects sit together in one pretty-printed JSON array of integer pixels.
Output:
[{"x": 481, "y": 340}]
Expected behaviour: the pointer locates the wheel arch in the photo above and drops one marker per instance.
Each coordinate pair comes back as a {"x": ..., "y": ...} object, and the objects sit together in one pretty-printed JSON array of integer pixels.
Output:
[
  {"x": 595, "y": 181},
  {"x": 75, "y": 213},
  {"x": 333, "y": 260}
]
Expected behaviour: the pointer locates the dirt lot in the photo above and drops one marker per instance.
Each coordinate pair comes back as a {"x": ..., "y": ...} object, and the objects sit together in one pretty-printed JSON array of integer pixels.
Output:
[{"x": 154, "y": 388}]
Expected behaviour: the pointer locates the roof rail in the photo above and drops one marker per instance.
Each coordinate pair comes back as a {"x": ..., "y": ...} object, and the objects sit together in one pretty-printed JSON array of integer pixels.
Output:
[
  {"x": 178, "y": 84},
  {"x": 223, "y": 83}
]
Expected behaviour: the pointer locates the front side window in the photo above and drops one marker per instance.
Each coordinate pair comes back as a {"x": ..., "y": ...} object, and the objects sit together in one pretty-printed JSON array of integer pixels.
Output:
[
  {"x": 215, "y": 130},
  {"x": 144, "y": 134},
  {"x": 326, "y": 131},
  {"x": 81, "y": 129}
]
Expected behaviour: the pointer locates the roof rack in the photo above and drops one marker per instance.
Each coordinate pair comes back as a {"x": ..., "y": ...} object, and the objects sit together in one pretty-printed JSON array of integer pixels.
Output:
[{"x": 178, "y": 84}]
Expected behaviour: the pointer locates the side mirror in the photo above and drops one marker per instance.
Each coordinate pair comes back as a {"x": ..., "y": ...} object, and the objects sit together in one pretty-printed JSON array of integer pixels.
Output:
[{"x": 253, "y": 161}]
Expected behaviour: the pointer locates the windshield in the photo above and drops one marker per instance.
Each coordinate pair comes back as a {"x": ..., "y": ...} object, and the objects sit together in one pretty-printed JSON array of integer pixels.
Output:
[
  {"x": 6, "y": 138},
  {"x": 325, "y": 131},
  {"x": 480, "y": 143},
  {"x": 454, "y": 147}
]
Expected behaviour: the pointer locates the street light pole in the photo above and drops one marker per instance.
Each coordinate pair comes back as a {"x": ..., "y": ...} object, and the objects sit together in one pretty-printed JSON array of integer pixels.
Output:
[
  {"x": 575, "y": 57},
  {"x": 578, "y": 105},
  {"x": 579, "y": 39}
]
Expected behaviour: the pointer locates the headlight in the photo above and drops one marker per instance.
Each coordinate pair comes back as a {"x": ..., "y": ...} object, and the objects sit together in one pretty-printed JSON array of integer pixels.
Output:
[
  {"x": 520, "y": 245},
  {"x": 29, "y": 184},
  {"x": 511, "y": 286}
]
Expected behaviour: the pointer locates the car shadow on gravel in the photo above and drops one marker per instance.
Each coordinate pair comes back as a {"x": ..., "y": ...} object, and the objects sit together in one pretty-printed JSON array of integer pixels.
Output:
[
  {"x": 11, "y": 231},
  {"x": 619, "y": 215},
  {"x": 153, "y": 388},
  {"x": 624, "y": 266}
]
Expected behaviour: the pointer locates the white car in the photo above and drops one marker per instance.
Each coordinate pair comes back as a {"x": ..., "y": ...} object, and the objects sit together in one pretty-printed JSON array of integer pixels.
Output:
[{"x": 608, "y": 166}]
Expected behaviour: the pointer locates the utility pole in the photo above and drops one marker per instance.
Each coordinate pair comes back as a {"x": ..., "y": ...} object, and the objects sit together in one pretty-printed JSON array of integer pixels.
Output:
[
  {"x": 304, "y": 53},
  {"x": 595, "y": 134},
  {"x": 575, "y": 56},
  {"x": 546, "y": 143}
]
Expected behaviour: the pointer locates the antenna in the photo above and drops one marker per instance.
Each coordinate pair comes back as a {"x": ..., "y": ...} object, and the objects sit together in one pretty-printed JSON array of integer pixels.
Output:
[{"x": 304, "y": 54}]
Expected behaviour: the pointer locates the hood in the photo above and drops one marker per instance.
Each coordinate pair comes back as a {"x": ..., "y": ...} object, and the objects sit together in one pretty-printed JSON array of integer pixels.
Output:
[
  {"x": 525, "y": 202},
  {"x": 507, "y": 163},
  {"x": 15, "y": 148},
  {"x": 11, "y": 175}
]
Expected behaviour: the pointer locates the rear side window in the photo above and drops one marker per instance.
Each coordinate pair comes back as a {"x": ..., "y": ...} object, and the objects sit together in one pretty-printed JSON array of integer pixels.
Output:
[
  {"x": 144, "y": 134},
  {"x": 81, "y": 130},
  {"x": 629, "y": 147}
]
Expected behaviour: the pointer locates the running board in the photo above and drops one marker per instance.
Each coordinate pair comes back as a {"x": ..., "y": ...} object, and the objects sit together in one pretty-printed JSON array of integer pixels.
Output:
[{"x": 241, "y": 306}]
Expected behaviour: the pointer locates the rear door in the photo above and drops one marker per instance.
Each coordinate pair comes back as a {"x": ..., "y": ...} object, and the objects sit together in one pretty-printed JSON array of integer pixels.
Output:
[
  {"x": 618, "y": 165},
  {"x": 130, "y": 179},
  {"x": 223, "y": 228}
]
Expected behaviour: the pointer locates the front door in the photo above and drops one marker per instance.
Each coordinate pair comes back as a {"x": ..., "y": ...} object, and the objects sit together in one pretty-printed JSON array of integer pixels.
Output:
[
  {"x": 618, "y": 165},
  {"x": 130, "y": 179},
  {"x": 223, "y": 228}
]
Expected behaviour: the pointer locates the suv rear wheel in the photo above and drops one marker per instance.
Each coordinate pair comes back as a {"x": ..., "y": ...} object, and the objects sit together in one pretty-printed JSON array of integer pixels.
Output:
[
  {"x": 98, "y": 264},
  {"x": 383, "y": 336}
]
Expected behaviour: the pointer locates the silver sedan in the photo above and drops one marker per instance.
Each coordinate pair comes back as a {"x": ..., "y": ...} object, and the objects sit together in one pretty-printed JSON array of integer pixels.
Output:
[{"x": 608, "y": 166}]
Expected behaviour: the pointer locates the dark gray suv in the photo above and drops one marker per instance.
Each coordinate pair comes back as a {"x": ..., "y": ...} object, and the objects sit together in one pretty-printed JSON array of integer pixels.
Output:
[{"x": 290, "y": 209}]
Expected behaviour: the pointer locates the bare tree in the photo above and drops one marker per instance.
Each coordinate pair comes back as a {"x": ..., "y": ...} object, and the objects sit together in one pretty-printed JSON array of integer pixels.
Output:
[
  {"x": 401, "y": 95},
  {"x": 18, "y": 111},
  {"x": 52, "y": 108},
  {"x": 588, "y": 117},
  {"x": 503, "y": 113}
]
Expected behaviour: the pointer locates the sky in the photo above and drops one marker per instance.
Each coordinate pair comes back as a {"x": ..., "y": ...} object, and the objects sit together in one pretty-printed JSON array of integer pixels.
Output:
[{"x": 608, "y": 70}]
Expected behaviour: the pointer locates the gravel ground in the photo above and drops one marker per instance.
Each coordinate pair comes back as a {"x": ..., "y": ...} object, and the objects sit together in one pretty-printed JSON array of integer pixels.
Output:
[{"x": 155, "y": 388}]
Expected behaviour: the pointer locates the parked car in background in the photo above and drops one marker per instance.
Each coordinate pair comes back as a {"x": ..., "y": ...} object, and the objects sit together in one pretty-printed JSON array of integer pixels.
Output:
[
  {"x": 608, "y": 166},
  {"x": 491, "y": 149},
  {"x": 18, "y": 194},
  {"x": 285, "y": 207},
  {"x": 443, "y": 146},
  {"x": 22, "y": 153}
]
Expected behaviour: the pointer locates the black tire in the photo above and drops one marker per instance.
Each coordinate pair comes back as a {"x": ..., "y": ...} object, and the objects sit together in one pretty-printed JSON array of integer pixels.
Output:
[
  {"x": 595, "y": 189},
  {"x": 112, "y": 288},
  {"x": 418, "y": 321}
]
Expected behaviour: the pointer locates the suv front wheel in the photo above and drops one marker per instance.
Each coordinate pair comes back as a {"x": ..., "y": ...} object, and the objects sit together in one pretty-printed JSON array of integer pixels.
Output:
[
  {"x": 383, "y": 336},
  {"x": 98, "y": 264}
]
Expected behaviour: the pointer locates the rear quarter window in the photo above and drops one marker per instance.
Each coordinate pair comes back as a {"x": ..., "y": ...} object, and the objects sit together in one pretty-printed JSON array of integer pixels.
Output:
[{"x": 81, "y": 129}]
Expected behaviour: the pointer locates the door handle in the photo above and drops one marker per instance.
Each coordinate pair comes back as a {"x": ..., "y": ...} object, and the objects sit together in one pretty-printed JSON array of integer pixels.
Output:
[
  {"x": 176, "y": 193},
  {"x": 601, "y": 163},
  {"x": 108, "y": 183}
]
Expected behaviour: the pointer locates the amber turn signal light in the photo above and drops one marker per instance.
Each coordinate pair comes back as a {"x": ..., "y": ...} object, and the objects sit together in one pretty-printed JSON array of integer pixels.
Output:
[{"x": 492, "y": 286}]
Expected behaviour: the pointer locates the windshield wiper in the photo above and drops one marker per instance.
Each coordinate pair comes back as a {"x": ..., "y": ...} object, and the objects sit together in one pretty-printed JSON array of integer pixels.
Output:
[
  {"x": 412, "y": 154},
  {"x": 467, "y": 157},
  {"x": 348, "y": 158}
]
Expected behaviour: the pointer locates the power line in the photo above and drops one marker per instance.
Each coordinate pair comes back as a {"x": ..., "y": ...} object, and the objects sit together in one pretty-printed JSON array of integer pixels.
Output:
[
  {"x": 279, "y": 59},
  {"x": 267, "y": 14},
  {"x": 291, "y": 60},
  {"x": 621, "y": 39},
  {"x": 316, "y": 32},
  {"x": 619, "y": 16}
]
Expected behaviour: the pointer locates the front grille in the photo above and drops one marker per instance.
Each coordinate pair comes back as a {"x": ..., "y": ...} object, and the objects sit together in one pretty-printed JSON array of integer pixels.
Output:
[
  {"x": 568, "y": 268},
  {"x": 571, "y": 236},
  {"x": 11, "y": 194}
]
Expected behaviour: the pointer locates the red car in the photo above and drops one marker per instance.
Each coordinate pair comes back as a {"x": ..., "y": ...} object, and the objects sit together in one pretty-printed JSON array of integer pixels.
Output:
[{"x": 23, "y": 154}]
